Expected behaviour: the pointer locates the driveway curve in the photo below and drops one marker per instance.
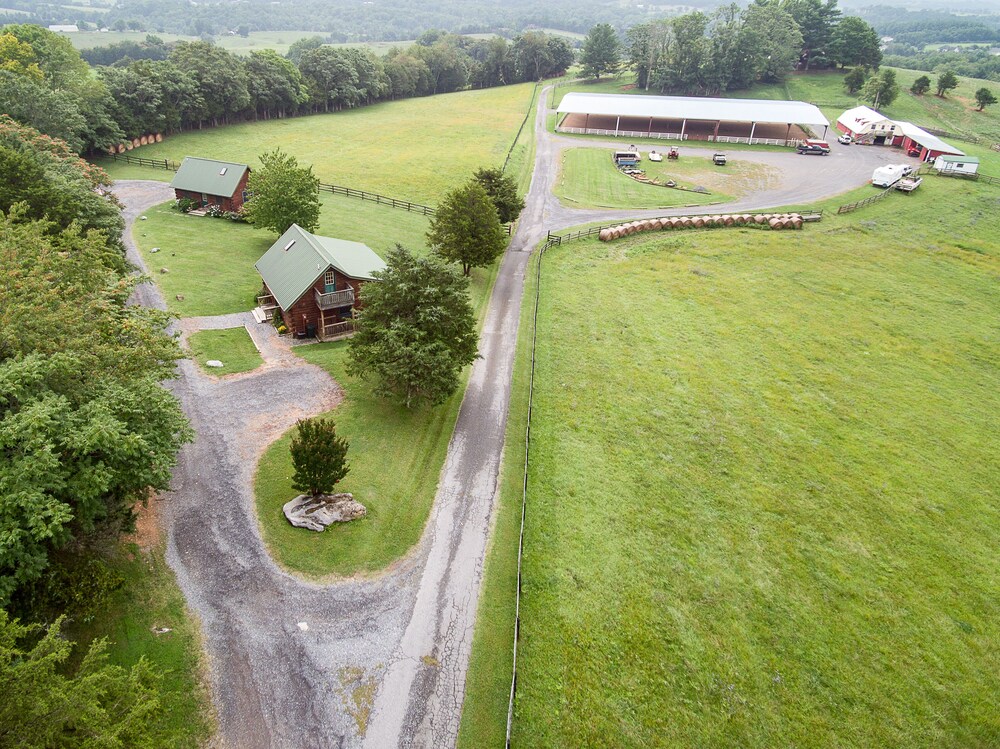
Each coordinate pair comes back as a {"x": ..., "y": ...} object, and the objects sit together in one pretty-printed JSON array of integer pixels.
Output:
[{"x": 293, "y": 663}]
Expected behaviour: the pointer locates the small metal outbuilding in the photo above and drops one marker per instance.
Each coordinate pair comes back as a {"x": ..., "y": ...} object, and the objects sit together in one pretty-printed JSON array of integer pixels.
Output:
[{"x": 950, "y": 164}]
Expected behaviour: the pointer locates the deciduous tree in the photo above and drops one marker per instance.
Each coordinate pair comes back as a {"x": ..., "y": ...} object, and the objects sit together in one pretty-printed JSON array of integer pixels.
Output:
[
  {"x": 282, "y": 193},
  {"x": 855, "y": 42},
  {"x": 601, "y": 51},
  {"x": 854, "y": 81},
  {"x": 466, "y": 228},
  {"x": 417, "y": 331},
  {"x": 881, "y": 89}
]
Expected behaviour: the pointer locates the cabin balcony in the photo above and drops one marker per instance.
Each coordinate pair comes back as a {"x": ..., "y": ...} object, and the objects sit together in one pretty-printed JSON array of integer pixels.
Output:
[
  {"x": 334, "y": 331},
  {"x": 335, "y": 299}
]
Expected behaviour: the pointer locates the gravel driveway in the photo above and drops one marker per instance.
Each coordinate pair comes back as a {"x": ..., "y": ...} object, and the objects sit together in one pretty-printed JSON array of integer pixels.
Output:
[{"x": 293, "y": 663}]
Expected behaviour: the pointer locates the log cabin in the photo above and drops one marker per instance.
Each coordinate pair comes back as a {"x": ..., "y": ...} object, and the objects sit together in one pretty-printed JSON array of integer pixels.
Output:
[
  {"x": 209, "y": 182},
  {"x": 315, "y": 282}
]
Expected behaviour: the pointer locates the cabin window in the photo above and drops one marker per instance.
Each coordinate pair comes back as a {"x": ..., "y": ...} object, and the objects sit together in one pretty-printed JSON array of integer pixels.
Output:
[{"x": 329, "y": 281}]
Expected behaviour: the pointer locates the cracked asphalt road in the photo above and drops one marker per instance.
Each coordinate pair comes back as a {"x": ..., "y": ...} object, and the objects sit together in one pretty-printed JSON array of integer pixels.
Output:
[{"x": 409, "y": 630}]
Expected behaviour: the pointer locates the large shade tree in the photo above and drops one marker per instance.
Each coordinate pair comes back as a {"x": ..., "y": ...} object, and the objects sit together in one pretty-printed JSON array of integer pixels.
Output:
[
  {"x": 466, "y": 228},
  {"x": 601, "y": 51},
  {"x": 417, "y": 330},
  {"x": 282, "y": 193}
]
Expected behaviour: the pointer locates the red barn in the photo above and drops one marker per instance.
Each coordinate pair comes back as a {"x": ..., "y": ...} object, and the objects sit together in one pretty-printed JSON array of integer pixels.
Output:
[
  {"x": 210, "y": 182},
  {"x": 928, "y": 146}
]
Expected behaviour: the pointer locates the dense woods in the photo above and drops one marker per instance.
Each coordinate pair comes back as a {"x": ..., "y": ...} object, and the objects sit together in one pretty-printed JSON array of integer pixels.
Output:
[{"x": 44, "y": 82}]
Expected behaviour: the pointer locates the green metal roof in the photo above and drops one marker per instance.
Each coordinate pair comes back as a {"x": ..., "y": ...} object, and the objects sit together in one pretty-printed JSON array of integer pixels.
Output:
[
  {"x": 959, "y": 159},
  {"x": 209, "y": 176},
  {"x": 298, "y": 258}
]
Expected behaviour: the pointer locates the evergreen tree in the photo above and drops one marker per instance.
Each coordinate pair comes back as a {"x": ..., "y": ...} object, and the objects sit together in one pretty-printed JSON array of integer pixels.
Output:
[
  {"x": 417, "y": 331},
  {"x": 502, "y": 191},
  {"x": 946, "y": 82},
  {"x": 921, "y": 86},
  {"x": 984, "y": 97},
  {"x": 601, "y": 51},
  {"x": 46, "y": 705},
  {"x": 319, "y": 457}
]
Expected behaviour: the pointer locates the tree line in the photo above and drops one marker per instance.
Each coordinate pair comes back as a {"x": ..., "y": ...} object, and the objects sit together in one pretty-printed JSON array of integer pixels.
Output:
[
  {"x": 87, "y": 432},
  {"x": 733, "y": 48},
  {"x": 45, "y": 83}
]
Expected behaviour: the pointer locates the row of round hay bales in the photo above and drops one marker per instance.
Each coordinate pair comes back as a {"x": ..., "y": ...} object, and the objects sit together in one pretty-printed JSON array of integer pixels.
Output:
[
  {"x": 128, "y": 145},
  {"x": 771, "y": 220}
]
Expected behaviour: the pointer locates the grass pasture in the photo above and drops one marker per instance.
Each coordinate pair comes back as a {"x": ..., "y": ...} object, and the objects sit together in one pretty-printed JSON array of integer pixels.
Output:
[
  {"x": 763, "y": 496},
  {"x": 589, "y": 179},
  {"x": 232, "y": 346},
  {"x": 210, "y": 262},
  {"x": 415, "y": 149}
]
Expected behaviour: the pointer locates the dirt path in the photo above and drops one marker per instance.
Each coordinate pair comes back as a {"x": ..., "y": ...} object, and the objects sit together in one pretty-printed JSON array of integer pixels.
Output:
[{"x": 295, "y": 664}]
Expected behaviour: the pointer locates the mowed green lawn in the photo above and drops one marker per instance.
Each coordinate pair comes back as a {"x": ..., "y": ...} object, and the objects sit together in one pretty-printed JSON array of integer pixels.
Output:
[
  {"x": 765, "y": 487},
  {"x": 210, "y": 262},
  {"x": 395, "y": 456},
  {"x": 415, "y": 149},
  {"x": 231, "y": 346},
  {"x": 589, "y": 179}
]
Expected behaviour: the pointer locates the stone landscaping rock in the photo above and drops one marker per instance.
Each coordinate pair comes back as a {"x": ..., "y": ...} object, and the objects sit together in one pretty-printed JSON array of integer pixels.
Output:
[
  {"x": 214, "y": 363},
  {"x": 315, "y": 513}
]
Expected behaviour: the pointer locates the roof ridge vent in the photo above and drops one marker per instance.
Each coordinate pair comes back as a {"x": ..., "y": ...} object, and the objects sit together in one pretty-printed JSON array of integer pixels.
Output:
[{"x": 289, "y": 245}]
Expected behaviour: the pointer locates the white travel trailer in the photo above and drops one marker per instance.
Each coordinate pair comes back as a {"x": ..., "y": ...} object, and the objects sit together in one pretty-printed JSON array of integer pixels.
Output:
[{"x": 887, "y": 176}]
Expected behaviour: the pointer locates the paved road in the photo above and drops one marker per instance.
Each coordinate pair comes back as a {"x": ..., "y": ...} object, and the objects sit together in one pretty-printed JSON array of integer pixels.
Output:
[{"x": 287, "y": 658}]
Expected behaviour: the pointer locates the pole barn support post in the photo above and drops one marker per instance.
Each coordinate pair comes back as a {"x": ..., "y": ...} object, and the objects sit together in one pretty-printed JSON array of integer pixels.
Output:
[
  {"x": 715, "y": 135},
  {"x": 788, "y": 133},
  {"x": 618, "y": 122},
  {"x": 825, "y": 128},
  {"x": 586, "y": 122},
  {"x": 684, "y": 125},
  {"x": 650, "y": 131},
  {"x": 753, "y": 128}
]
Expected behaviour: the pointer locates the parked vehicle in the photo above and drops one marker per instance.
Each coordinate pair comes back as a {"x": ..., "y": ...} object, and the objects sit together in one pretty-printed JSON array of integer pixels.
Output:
[
  {"x": 845, "y": 139},
  {"x": 719, "y": 159},
  {"x": 887, "y": 176},
  {"x": 816, "y": 147},
  {"x": 909, "y": 184},
  {"x": 654, "y": 156},
  {"x": 673, "y": 153}
]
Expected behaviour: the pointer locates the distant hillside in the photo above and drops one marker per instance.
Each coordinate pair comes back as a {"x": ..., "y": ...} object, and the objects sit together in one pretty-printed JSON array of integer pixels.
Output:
[{"x": 347, "y": 20}]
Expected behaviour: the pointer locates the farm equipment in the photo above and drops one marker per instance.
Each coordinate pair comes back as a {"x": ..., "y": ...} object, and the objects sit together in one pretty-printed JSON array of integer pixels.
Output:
[
  {"x": 625, "y": 158},
  {"x": 654, "y": 156},
  {"x": 674, "y": 154},
  {"x": 719, "y": 159}
]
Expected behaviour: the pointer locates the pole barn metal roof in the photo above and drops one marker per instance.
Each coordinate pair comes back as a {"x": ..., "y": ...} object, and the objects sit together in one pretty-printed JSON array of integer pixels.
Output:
[{"x": 694, "y": 108}]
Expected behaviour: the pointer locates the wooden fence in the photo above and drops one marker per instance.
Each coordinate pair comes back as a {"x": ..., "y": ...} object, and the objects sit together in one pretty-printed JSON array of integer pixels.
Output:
[
  {"x": 867, "y": 201},
  {"x": 171, "y": 166},
  {"x": 374, "y": 197},
  {"x": 925, "y": 169}
]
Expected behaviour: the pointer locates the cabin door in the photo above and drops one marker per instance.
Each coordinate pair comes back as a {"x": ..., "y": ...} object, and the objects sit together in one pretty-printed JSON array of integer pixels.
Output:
[{"x": 329, "y": 282}]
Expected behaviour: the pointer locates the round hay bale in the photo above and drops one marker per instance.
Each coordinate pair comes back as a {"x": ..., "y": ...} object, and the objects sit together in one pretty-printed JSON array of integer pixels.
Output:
[
  {"x": 698, "y": 222},
  {"x": 728, "y": 220},
  {"x": 759, "y": 219},
  {"x": 776, "y": 223},
  {"x": 746, "y": 218},
  {"x": 128, "y": 145},
  {"x": 687, "y": 222},
  {"x": 618, "y": 232},
  {"x": 112, "y": 150},
  {"x": 604, "y": 235},
  {"x": 718, "y": 220},
  {"x": 796, "y": 222},
  {"x": 645, "y": 225},
  {"x": 136, "y": 143},
  {"x": 159, "y": 137},
  {"x": 144, "y": 140},
  {"x": 121, "y": 148}
]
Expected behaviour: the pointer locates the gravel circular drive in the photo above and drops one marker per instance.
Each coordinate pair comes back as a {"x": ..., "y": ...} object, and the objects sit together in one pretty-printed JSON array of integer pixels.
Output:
[{"x": 286, "y": 656}]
